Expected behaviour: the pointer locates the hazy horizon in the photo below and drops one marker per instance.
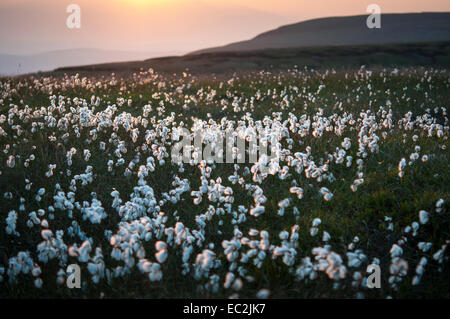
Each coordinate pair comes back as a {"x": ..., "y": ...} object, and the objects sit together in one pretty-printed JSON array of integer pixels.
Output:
[{"x": 29, "y": 27}]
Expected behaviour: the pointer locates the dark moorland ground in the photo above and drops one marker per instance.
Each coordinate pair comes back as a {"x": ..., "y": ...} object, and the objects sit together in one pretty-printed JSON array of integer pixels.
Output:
[{"x": 338, "y": 57}]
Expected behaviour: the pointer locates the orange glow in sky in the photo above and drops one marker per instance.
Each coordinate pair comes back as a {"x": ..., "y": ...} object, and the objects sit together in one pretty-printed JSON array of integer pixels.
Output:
[{"x": 32, "y": 26}]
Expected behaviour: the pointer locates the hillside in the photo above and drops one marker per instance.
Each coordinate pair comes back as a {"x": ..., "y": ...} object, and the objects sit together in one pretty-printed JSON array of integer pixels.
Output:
[
  {"x": 394, "y": 55},
  {"x": 351, "y": 30}
]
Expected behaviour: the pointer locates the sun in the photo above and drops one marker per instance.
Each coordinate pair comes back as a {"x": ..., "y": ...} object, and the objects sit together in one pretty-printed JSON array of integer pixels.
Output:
[{"x": 146, "y": 2}]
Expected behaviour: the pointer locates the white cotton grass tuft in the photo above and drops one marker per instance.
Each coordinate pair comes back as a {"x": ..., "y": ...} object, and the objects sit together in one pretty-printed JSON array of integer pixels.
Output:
[
  {"x": 439, "y": 205},
  {"x": 263, "y": 294},
  {"x": 11, "y": 161},
  {"x": 256, "y": 211},
  {"x": 38, "y": 283},
  {"x": 316, "y": 222},
  {"x": 424, "y": 217},
  {"x": 161, "y": 255},
  {"x": 46, "y": 234},
  {"x": 396, "y": 251}
]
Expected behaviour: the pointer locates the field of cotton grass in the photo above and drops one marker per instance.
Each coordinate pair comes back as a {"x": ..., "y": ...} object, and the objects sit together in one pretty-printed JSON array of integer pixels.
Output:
[{"x": 87, "y": 178}]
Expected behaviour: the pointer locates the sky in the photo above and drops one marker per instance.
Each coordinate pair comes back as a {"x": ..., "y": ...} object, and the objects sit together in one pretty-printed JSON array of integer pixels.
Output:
[{"x": 166, "y": 26}]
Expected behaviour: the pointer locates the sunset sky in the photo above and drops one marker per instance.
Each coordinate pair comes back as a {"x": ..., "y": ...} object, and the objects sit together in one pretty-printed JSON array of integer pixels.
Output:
[{"x": 179, "y": 26}]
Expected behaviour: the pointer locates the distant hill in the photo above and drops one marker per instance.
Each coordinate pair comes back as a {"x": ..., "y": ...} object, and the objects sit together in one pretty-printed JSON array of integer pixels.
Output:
[
  {"x": 436, "y": 54},
  {"x": 20, "y": 64},
  {"x": 351, "y": 30}
]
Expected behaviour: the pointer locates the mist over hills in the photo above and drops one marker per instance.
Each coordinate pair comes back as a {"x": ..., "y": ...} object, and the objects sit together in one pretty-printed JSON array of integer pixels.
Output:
[
  {"x": 351, "y": 30},
  {"x": 20, "y": 64}
]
